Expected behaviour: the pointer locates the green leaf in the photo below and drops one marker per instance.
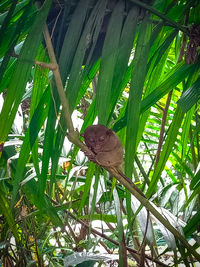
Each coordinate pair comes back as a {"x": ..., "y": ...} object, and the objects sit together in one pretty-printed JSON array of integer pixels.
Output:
[
  {"x": 30, "y": 137},
  {"x": 103, "y": 217},
  {"x": 109, "y": 57},
  {"x": 22, "y": 71},
  {"x": 190, "y": 96},
  {"x": 195, "y": 183},
  {"x": 135, "y": 95},
  {"x": 123, "y": 55},
  {"x": 6, "y": 211},
  {"x": 172, "y": 79},
  {"x": 122, "y": 252},
  {"x": 42, "y": 203},
  {"x": 91, "y": 30},
  {"x": 39, "y": 116},
  {"x": 14, "y": 32},
  {"x": 167, "y": 148},
  {"x": 72, "y": 38},
  {"x": 192, "y": 224},
  {"x": 185, "y": 133},
  {"x": 88, "y": 181}
]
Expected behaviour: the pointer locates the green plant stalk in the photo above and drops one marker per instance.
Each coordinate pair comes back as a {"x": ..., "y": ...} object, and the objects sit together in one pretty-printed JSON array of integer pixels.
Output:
[{"x": 73, "y": 137}]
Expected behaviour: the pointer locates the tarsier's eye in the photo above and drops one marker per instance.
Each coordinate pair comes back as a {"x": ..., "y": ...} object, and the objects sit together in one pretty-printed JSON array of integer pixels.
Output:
[{"x": 101, "y": 138}]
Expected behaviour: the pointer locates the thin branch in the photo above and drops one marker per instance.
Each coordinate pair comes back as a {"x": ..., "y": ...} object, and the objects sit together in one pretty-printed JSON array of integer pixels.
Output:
[
  {"x": 49, "y": 66},
  {"x": 162, "y": 130}
]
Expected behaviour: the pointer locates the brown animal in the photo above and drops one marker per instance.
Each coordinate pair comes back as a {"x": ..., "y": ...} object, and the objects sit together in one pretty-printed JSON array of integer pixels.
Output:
[
  {"x": 105, "y": 145},
  {"x": 107, "y": 149}
]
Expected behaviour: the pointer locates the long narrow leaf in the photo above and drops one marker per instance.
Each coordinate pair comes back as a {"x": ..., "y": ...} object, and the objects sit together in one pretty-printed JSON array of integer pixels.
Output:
[
  {"x": 169, "y": 143},
  {"x": 92, "y": 28},
  {"x": 135, "y": 95},
  {"x": 108, "y": 62},
  {"x": 6, "y": 211},
  {"x": 21, "y": 74},
  {"x": 190, "y": 96},
  {"x": 124, "y": 51},
  {"x": 30, "y": 137},
  {"x": 122, "y": 248}
]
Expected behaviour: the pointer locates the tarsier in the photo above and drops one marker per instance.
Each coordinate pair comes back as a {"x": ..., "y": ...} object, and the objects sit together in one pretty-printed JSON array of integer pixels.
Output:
[
  {"x": 105, "y": 145},
  {"x": 107, "y": 149}
]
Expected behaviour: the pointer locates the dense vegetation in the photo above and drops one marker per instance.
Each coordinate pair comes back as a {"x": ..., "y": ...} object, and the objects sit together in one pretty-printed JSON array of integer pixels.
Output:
[{"x": 133, "y": 66}]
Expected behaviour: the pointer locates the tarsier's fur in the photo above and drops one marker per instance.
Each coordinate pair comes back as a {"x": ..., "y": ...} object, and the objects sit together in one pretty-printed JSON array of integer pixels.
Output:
[
  {"x": 107, "y": 149},
  {"x": 105, "y": 144}
]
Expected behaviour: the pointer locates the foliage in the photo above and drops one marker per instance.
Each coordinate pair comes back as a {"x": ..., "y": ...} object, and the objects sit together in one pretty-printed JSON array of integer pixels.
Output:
[{"x": 130, "y": 65}]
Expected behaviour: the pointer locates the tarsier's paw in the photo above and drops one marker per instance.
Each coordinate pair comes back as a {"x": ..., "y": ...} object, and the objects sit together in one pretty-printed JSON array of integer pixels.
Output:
[{"x": 90, "y": 156}]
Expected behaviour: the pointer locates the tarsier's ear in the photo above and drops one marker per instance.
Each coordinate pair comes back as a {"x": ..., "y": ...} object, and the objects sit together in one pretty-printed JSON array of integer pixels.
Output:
[{"x": 109, "y": 132}]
